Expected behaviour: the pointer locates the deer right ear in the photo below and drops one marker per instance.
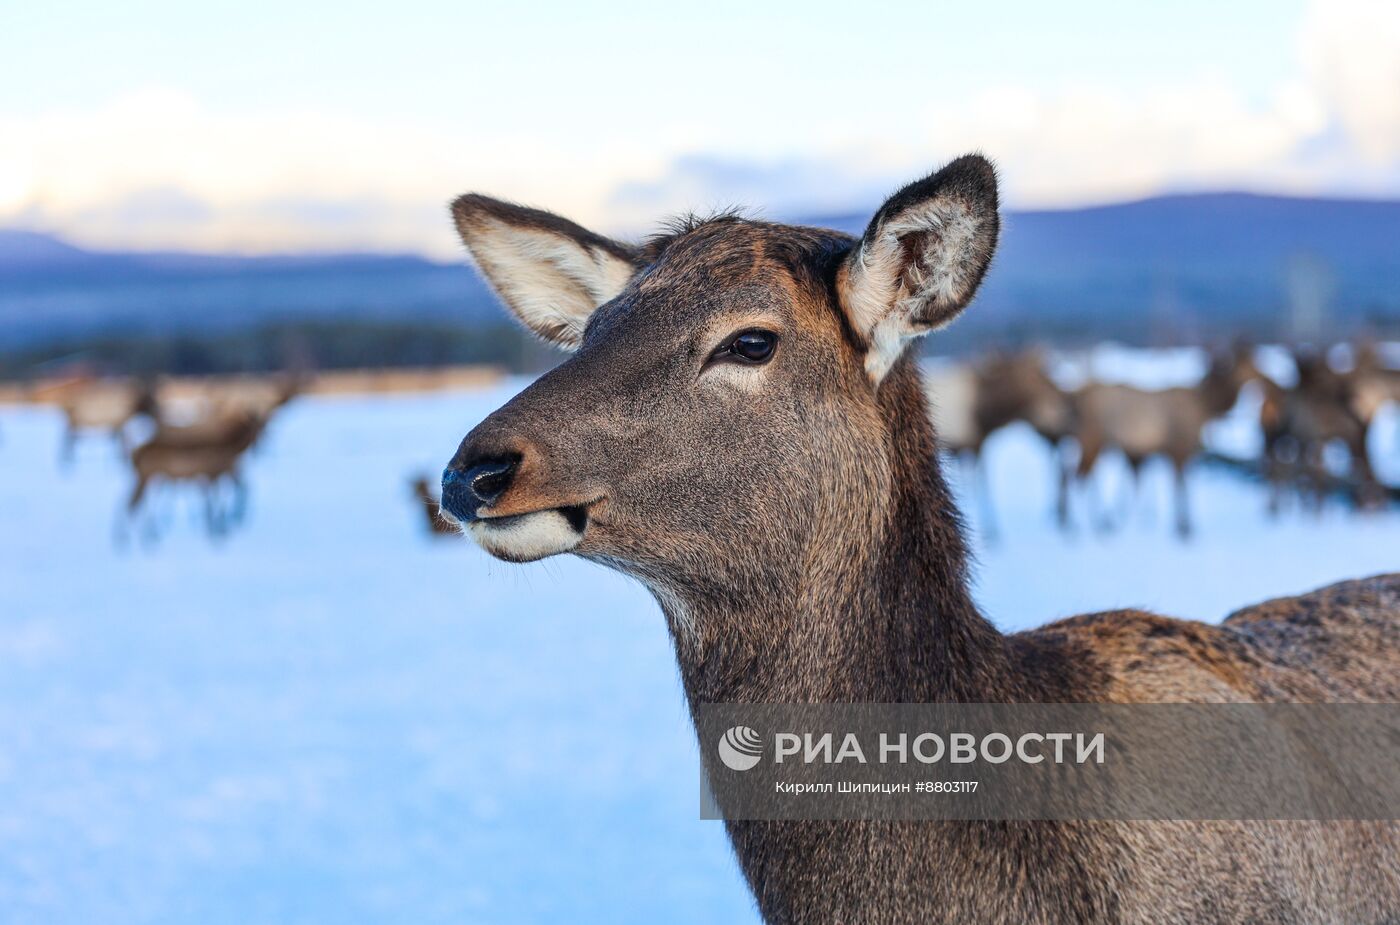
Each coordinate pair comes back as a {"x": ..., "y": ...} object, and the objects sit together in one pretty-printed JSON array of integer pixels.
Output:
[
  {"x": 921, "y": 259},
  {"x": 550, "y": 272}
]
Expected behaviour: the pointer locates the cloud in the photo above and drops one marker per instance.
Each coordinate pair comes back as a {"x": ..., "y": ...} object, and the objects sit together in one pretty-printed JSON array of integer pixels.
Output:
[
  {"x": 160, "y": 168},
  {"x": 1332, "y": 128},
  {"x": 1351, "y": 52},
  {"x": 1085, "y": 145},
  {"x": 786, "y": 188},
  {"x": 1101, "y": 144}
]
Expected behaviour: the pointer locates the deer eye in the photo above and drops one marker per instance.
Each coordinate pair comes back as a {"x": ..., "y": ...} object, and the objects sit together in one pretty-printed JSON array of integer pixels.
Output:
[{"x": 752, "y": 346}]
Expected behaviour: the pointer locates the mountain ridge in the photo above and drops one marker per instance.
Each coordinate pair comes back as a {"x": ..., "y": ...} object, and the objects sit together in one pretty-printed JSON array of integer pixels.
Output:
[{"x": 1179, "y": 265}]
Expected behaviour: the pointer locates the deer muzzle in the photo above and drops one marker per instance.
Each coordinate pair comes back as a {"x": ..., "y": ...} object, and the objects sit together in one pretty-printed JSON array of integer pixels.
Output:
[{"x": 519, "y": 525}]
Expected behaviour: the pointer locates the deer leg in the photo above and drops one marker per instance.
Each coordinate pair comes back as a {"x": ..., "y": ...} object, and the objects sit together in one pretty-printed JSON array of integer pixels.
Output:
[
  {"x": 122, "y": 529},
  {"x": 1146, "y": 500},
  {"x": 984, "y": 495},
  {"x": 1132, "y": 488},
  {"x": 215, "y": 520},
  {"x": 1062, "y": 478},
  {"x": 155, "y": 522},
  {"x": 1292, "y": 483},
  {"x": 240, "y": 496},
  {"x": 1269, "y": 462},
  {"x": 1089, "y": 449},
  {"x": 222, "y": 505},
  {"x": 1368, "y": 489},
  {"x": 138, "y": 491},
  {"x": 228, "y": 504},
  {"x": 1183, "y": 507},
  {"x": 1095, "y": 504},
  {"x": 1060, "y": 460},
  {"x": 171, "y": 509},
  {"x": 1314, "y": 475},
  {"x": 1095, "y": 508},
  {"x": 137, "y": 510},
  {"x": 67, "y": 446}
]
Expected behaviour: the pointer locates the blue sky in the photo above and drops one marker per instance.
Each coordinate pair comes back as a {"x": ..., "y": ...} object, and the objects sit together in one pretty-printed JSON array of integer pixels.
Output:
[{"x": 322, "y": 126}]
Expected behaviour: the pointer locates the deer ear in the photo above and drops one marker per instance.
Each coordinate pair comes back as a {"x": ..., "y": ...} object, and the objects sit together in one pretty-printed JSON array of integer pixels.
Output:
[
  {"x": 550, "y": 272},
  {"x": 921, "y": 259}
]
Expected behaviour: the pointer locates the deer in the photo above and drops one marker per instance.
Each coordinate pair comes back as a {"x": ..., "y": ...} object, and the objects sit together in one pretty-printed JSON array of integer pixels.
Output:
[
  {"x": 1144, "y": 423},
  {"x": 741, "y": 426},
  {"x": 429, "y": 504},
  {"x": 1298, "y": 424},
  {"x": 971, "y": 401},
  {"x": 104, "y": 406},
  {"x": 1375, "y": 384},
  {"x": 257, "y": 395},
  {"x": 204, "y": 453}
]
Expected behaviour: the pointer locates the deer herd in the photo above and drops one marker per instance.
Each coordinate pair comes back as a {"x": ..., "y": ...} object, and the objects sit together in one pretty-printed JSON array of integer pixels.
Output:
[
  {"x": 1325, "y": 407},
  {"x": 197, "y": 439},
  {"x": 200, "y": 439}
]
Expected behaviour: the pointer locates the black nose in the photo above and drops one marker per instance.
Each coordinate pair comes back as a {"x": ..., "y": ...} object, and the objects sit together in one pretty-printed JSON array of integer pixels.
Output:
[{"x": 464, "y": 491}]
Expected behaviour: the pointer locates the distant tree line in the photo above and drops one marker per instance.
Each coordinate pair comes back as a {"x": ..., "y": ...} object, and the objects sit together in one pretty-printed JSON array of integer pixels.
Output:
[
  {"x": 378, "y": 344},
  {"x": 304, "y": 345}
]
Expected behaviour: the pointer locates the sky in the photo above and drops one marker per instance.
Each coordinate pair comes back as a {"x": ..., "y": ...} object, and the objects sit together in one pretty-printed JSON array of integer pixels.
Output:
[{"x": 319, "y": 126}]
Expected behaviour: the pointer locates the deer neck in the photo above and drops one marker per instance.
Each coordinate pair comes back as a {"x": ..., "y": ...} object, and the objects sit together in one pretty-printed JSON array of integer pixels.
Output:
[
  {"x": 898, "y": 626},
  {"x": 1218, "y": 393},
  {"x": 884, "y": 617}
]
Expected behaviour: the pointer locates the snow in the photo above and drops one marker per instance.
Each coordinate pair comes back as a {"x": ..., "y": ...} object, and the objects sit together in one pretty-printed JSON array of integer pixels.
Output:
[{"x": 330, "y": 717}]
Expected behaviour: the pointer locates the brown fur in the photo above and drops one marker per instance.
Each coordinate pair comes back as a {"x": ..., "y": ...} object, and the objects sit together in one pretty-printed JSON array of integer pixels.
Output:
[
  {"x": 1145, "y": 423},
  {"x": 793, "y": 524}
]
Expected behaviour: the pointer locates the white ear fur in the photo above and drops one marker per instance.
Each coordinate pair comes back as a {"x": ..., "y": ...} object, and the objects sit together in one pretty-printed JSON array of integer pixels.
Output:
[
  {"x": 550, "y": 272},
  {"x": 921, "y": 259}
]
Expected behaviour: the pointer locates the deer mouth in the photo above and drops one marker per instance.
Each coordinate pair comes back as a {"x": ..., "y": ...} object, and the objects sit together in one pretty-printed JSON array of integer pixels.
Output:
[{"x": 532, "y": 535}]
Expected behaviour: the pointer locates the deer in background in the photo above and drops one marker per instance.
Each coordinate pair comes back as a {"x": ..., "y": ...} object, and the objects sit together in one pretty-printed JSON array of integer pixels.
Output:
[
  {"x": 743, "y": 429},
  {"x": 104, "y": 406},
  {"x": 1144, "y": 423},
  {"x": 258, "y": 395},
  {"x": 1374, "y": 383},
  {"x": 972, "y": 401},
  {"x": 1298, "y": 424},
  {"x": 216, "y": 401},
  {"x": 431, "y": 507},
  {"x": 206, "y": 454}
]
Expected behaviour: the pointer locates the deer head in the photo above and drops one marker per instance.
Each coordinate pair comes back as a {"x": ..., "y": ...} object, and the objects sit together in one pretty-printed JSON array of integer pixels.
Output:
[{"x": 738, "y": 407}]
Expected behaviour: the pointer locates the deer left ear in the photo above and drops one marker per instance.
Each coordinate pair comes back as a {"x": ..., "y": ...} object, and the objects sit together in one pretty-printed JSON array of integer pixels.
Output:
[{"x": 921, "y": 259}]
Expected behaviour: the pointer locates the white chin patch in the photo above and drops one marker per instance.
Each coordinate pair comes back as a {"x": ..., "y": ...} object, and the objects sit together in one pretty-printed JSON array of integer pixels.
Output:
[{"x": 525, "y": 537}]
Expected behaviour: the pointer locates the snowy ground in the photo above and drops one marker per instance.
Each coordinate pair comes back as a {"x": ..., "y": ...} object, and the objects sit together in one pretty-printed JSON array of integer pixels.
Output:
[{"x": 331, "y": 718}]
